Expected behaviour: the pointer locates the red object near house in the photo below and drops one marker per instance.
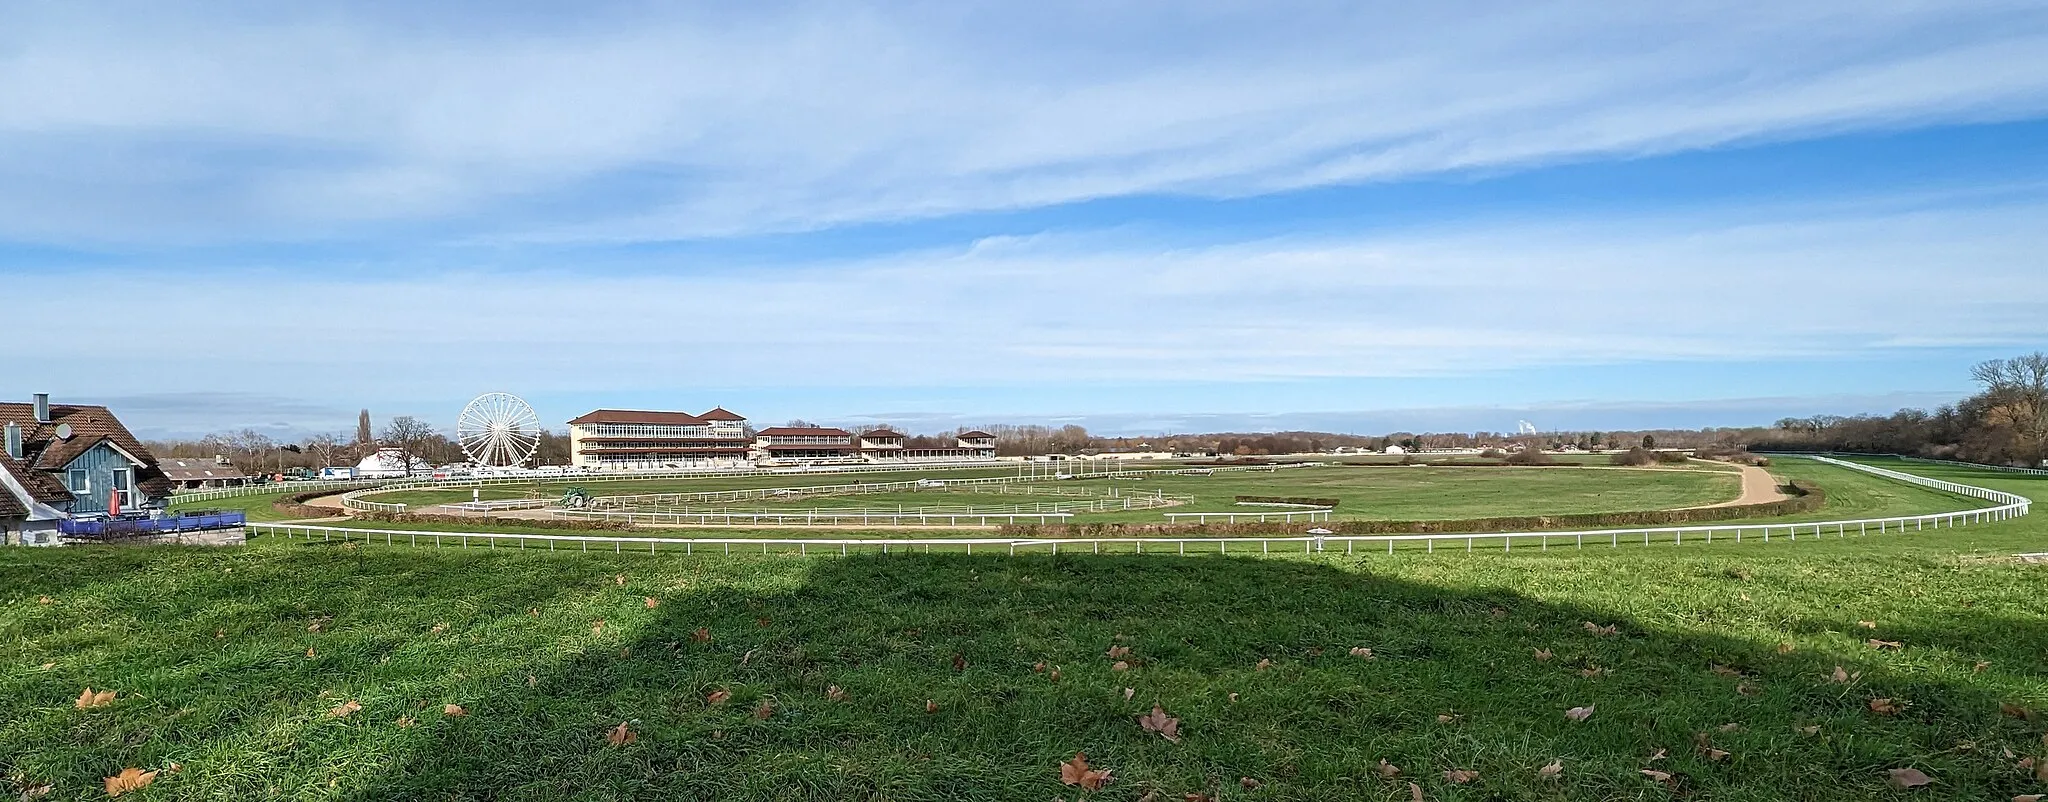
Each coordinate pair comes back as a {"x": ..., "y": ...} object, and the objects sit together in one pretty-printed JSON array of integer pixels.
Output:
[{"x": 113, "y": 503}]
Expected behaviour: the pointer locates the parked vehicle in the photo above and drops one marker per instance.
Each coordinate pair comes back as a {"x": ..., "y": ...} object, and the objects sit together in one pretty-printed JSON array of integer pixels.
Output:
[{"x": 338, "y": 472}]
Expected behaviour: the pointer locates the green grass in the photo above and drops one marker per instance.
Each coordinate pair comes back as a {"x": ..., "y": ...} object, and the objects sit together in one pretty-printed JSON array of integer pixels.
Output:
[
  {"x": 207, "y": 649},
  {"x": 258, "y": 507}
]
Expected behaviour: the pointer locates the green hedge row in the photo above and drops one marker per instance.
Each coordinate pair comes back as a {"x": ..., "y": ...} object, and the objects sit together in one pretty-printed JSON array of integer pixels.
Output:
[
  {"x": 1303, "y": 500},
  {"x": 294, "y": 505},
  {"x": 1806, "y": 497}
]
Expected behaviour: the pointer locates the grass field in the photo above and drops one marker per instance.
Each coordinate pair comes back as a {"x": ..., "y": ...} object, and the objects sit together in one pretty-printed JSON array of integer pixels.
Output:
[{"x": 219, "y": 669}]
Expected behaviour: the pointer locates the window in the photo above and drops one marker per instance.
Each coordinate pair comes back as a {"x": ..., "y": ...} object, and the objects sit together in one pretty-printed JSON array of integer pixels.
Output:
[
  {"x": 80, "y": 482},
  {"x": 124, "y": 481}
]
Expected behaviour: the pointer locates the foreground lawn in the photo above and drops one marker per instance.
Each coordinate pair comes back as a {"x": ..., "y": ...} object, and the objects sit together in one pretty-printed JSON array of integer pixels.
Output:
[{"x": 230, "y": 664}]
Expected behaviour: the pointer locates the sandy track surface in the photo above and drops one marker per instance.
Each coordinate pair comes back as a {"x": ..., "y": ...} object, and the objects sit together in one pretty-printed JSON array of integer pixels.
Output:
[{"x": 1758, "y": 487}]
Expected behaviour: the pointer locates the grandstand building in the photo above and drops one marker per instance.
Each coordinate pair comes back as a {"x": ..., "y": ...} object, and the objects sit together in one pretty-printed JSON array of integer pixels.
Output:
[
  {"x": 786, "y": 445},
  {"x": 882, "y": 445},
  {"x": 624, "y": 439}
]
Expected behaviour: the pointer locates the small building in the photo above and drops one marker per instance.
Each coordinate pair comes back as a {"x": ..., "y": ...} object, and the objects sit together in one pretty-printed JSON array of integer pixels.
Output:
[
  {"x": 202, "y": 473},
  {"x": 61, "y": 463},
  {"x": 390, "y": 463}
]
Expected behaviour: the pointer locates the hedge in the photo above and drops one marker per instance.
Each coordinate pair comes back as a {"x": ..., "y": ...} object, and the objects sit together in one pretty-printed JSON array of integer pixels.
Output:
[
  {"x": 294, "y": 505},
  {"x": 1301, "y": 500},
  {"x": 1806, "y": 497}
]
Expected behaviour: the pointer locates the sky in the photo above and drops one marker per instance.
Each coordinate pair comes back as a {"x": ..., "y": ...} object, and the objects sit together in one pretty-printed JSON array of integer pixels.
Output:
[{"x": 1142, "y": 217}]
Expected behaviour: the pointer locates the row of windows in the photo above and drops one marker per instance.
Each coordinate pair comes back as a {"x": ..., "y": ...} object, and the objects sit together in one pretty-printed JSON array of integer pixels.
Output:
[
  {"x": 659, "y": 430},
  {"x": 793, "y": 439}
]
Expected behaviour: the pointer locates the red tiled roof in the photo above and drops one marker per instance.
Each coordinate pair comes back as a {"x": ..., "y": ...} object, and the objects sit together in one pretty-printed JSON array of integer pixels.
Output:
[
  {"x": 976, "y": 434},
  {"x": 882, "y": 434},
  {"x": 90, "y": 424},
  {"x": 638, "y": 416},
  {"x": 721, "y": 413},
  {"x": 788, "y": 431}
]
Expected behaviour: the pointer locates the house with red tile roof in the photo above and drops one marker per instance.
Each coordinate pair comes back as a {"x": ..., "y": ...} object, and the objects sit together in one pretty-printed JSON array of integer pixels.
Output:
[
  {"x": 61, "y": 462},
  {"x": 632, "y": 439}
]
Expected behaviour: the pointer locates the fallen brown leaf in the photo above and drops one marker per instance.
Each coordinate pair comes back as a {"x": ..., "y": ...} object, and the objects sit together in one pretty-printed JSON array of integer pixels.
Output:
[
  {"x": 1981, "y": 665},
  {"x": 1543, "y": 655},
  {"x": 1414, "y": 792},
  {"x": 1811, "y": 729},
  {"x": 1867, "y": 624},
  {"x": 765, "y": 710},
  {"x": 701, "y": 634},
  {"x": 1841, "y": 676},
  {"x": 835, "y": 694},
  {"x": 651, "y": 602},
  {"x": 309, "y": 652},
  {"x": 620, "y": 579},
  {"x": 1599, "y": 630},
  {"x": 1884, "y": 644},
  {"x": 454, "y": 710},
  {"x": 931, "y": 706},
  {"x": 345, "y": 709},
  {"x": 1387, "y": 770},
  {"x": 1579, "y": 713},
  {"x": 438, "y": 629},
  {"x": 1248, "y": 783},
  {"x": 130, "y": 779},
  {"x": 959, "y": 662},
  {"x": 1117, "y": 652},
  {"x": 2010, "y": 710},
  {"x": 1157, "y": 721},
  {"x": 1660, "y": 754},
  {"x": 1660, "y": 776},
  {"x": 717, "y": 697},
  {"x": 1361, "y": 652},
  {"x": 1886, "y": 707},
  {"x": 89, "y": 699},
  {"x": 1076, "y": 772},
  {"x": 1785, "y": 648},
  {"x": 1263, "y": 664},
  {"x": 1724, "y": 671},
  {"x": 621, "y": 735},
  {"x": 1550, "y": 770},
  {"x": 406, "y": 721},
  {"x": 597, "y": 627},
  {"x": 1130, "y": 692},
  {"x": 1460, "y": 776},
  {"x": 1908, "y": 778}
]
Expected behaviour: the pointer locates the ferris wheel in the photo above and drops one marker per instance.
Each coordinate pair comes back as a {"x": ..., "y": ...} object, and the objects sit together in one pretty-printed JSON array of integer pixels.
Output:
[{"x": 498, "y": 430}]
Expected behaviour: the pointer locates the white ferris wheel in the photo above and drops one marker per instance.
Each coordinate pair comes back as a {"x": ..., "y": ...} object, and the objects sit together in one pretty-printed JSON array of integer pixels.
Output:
[{"x": 498, "y": 430}]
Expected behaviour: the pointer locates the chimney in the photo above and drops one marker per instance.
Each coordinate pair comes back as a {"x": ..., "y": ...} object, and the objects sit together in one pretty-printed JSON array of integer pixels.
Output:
[
  {"x": 42, "y": 407},
  {"x": 14, "y": 440}
]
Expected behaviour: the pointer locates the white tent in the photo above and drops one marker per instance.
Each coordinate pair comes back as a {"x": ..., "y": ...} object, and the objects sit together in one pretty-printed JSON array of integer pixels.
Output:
[{"x": 389, "y": 463}]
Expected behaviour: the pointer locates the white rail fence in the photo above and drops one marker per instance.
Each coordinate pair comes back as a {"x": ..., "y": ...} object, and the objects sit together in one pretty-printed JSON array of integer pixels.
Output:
[
  {"x": 1253, "y": 517},
  {"x": 2006, "y": 506}
]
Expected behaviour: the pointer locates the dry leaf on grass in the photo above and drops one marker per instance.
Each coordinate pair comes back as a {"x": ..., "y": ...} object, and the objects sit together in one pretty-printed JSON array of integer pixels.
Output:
[
  {"x": 1867, "y": 624},
  {"x": 835, "y": 694},
  {"x": 764, "y": 710},
  {"x": 1710, "y": 753},
  {"x": 620, "y": 579},
  {"x": 1785, "y": 648},
  {"x": 1724, "y": 671},
  {"x": 1543, "y": 655},
  {"x": 1601, "y": 631},
  {"x": 621, "y": 735},
  {"x": 1660, "y": 776},
  {"x": 1119, "y": 666},
  {"x": 1981, "y": 665},
  {"x": 930, "y": 706},
  {"x": 2010, "y": 710},
  {"x": 37, "y": 792},
  {"x": 597, "y": 627},
  {"x": 1387, "y": 770},
  {"x": 1592, "y": 672},
  {"x": 1263, "y": 664},
  {"x": 1885, "y": 706},
  {"x": 1414, "y": 792},
  {"x": 1130, "y": 692},
  {"x": 1579, "y": 713},
  {"x": 309, "y": 652},
  {"x": 2029, "y": 797},
  {"x": 1908, "y": 778},
  {"x": 1884, "y": 644},
  {"x": 1460, "y": 776},
  {"x": 1550, "y": 770},
  {"x": 89, "y": 699},
  {"x": 130, "y": 779},
  {"x": 1811, "y": 729},
  {"x": 1446, "y": 718},
  {"x": 1076, "y": 772},
  {"x": 1747, "y": 688},
  {"x": 454, "y": 710},
  {"x": 717, "y": 697},
  {"x": 651, "y": 602},
  {"x": 345, "y": 709},
  {"x": 1055, "y": 675},
  {"x": 701, "y": 635},
  {"x": 44, "y": 600},
  {"x": 1233, "y": 697},
  {"x": 959, "y": 662},
  {"x": 1658, "y": 755},
  {"x": 1157, "y": 721},
  {"x": 1038, "y": 667},
  {"x": 1361, "y": 652},
  {"x": 405, "y": 722},
  {"x": 1116, "y": 652},
  {"x": 1842, "y": 676}
]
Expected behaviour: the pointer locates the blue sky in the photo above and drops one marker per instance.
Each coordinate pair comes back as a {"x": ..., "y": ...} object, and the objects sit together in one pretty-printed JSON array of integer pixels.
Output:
[{"x": 1142, "y": 217}]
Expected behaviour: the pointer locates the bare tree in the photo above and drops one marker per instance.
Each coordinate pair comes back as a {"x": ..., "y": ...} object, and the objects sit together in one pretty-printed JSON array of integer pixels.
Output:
[
  {"x": 363, "y": 435},
  {"x": 412, "y": 438},
  {"x": 2018, "y": 392},
  {"x": 324, "y": 447}
]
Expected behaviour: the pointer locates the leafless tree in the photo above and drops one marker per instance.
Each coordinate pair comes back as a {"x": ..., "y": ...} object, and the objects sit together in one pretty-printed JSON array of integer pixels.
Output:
[
  {"x": 412, "y": 438},
  {"x": 324, "y": 447},
  {"x": 2017, "y": 390}
]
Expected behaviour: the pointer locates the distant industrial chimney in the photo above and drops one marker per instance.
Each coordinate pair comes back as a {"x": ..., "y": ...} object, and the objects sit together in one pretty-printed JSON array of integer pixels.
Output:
[{"x": 42, "y": 407}]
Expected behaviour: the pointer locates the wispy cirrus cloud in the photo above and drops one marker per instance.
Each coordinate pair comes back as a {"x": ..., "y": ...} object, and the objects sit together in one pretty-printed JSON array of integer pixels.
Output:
[{"x": 204, "y": 123}]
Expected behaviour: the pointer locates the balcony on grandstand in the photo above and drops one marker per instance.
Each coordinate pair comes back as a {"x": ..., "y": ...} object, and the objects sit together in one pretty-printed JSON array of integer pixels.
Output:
[
  {"x": 805, "y": 445},
  {"x": 883, "y": 445}
]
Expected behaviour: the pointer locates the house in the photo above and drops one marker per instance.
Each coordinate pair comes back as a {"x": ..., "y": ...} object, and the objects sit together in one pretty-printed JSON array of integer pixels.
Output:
[
  {"x": 64, "y": 462},
  {"x": 632, "y": 439},
  {"x": 202, "y": 473}
]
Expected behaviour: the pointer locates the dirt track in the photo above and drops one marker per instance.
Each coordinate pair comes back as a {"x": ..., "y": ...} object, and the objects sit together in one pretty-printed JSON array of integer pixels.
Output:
[{"x": 1758, "y": 487}]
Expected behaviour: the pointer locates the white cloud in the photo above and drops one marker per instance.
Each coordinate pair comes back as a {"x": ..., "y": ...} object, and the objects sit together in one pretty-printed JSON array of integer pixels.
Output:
[
  {"x": 175, "y": 124},
  {"x": 1049, "y": 312}
]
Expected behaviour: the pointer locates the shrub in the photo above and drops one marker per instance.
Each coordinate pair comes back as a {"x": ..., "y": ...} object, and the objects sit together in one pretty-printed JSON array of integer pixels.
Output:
[
  {"x": 1633, "y": 458},
  {"x": 1493, "y": 453},
  {"x": 1670, "y": 457},
  {"x": 1301, "y": 500},
  {"x": 1531, "y": 456}
]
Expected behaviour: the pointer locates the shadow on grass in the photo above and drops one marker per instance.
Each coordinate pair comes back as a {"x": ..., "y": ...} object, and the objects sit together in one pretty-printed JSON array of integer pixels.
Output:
[{"x": 542, "y": 690}]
